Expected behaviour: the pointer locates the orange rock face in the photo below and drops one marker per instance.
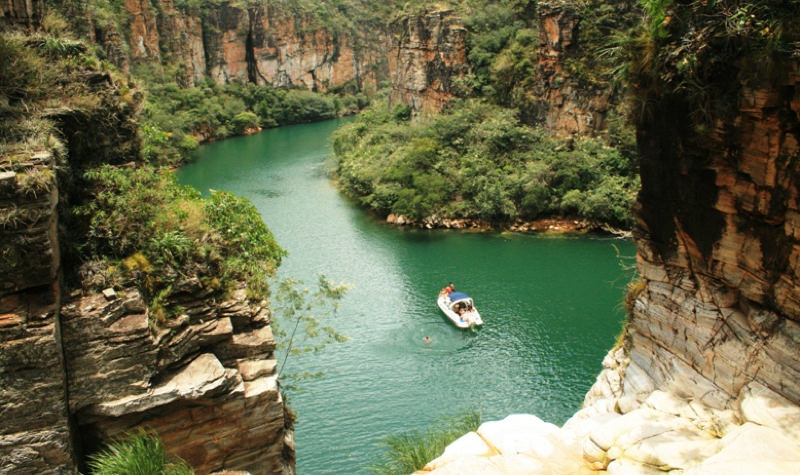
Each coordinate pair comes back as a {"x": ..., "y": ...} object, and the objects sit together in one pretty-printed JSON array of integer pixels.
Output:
[
  {"x": 428, "y": 54},
  {"x": 259, "y": 44},
  {"x": 567, "y": 110},
  {"x": 718, "y": 246},
  {"x": 143, "y": 30}
]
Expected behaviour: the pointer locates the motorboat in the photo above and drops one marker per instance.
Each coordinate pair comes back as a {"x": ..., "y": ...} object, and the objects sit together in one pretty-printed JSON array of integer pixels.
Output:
[{"x": 460, "y": 308}]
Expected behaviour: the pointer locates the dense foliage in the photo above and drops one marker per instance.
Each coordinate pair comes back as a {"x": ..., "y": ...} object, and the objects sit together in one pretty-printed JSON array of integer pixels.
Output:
[
  {"x": 483, "y": 157},
  {"x": 138, "y": 453},
  {"x": 177, "y": 118},
  {"x": 476, "y": 160},
  {"x": 149, "y": 229},
  {"x": 696, "y": 49}
]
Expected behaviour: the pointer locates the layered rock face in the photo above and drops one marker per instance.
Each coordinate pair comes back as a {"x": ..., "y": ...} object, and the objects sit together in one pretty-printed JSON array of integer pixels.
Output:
[
  {"x": 206, "y": 382},
  {"x": 21, "y": 12},
  {"x": 79, "y": 368},
  {"x": 34, "y": 435},
  {"x": 259, "y": 43},
  {"x": 428, "y": 55},
  {"x": 565, "y": 108},
  {"x": 718, "y": 247}
]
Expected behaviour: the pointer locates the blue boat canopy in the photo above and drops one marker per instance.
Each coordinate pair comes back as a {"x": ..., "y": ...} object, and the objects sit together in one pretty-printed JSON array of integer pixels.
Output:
[{"x": 458, "y": 296}]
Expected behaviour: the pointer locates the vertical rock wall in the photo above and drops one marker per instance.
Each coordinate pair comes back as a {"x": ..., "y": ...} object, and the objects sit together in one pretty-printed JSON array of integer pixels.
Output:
[
  {"x": 258, "y": 43},
  {"x": 34, "y": 434},
  {"x": 79, "y": 368},
  {"x": 21, "y": 12},
  {"x": 565, "y": 108},
  {"x": 718, "y": 245},
  {"x": 428, "y": 54}
]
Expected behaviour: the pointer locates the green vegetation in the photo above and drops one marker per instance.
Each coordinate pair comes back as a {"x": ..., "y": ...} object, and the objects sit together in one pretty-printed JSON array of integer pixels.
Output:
[
  {"x": 177, "y": 118},
  {"x": 408, "y": 452},
  {"x": 478, "y": 161},
  {"x": 138, "y": 453},
  {"x": 297, "y": 307},
  {"x": 693, "y": 50},
  {"x": 144, "y": 227},
  {"x": 484, "y": 156}
]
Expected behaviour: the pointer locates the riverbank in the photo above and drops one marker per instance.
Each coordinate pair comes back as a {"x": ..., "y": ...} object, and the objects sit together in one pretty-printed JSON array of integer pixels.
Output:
[{"x": 553, "y": 225}]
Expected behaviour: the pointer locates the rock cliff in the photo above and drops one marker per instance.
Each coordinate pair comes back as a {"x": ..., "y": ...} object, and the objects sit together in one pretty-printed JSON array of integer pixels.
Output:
[
  {"x": 79, "y": 367},
  {"x": 564, "y": 106},
  {"x": 261, "y": 43},
  {"x": 429, "y": 65},
  {"x": 428, "y": 54}
]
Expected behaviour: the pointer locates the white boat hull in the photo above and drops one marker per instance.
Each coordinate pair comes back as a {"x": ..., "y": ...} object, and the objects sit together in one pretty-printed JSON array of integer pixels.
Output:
[{"x": 470, "y": 319}]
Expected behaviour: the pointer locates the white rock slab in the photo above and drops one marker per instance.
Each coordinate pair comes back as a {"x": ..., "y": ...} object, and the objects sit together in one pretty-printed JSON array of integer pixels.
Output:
[
  {"x": 763, "y": 406},
  {"x": 630, "y": 467},
  {"x": 752, "y": 449},
  {"x": 468, "y": 445},
  {"x": 522, "y": 434},
  {"x": 676, "y": 449}
]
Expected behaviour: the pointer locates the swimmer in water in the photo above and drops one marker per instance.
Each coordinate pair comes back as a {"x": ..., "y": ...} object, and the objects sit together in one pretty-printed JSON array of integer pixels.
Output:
[{"x": 427, "y": 339}]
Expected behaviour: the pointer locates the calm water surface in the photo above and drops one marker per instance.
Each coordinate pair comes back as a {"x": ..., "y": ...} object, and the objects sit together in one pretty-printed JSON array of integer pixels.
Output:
[{"x": 550, "y": 306}]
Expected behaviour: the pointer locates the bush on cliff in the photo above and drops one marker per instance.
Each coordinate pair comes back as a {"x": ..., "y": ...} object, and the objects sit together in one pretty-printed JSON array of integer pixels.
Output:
[
  {"x": 477, "y": 161},
  {"x": 147, "y": 228},
  {"x": 138, "y": 453},
  {"x": 177, "y": 118}
]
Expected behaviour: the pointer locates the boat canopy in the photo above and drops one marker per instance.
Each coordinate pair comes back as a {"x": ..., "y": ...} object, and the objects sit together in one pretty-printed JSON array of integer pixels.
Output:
[{"x": 457, "y": 296}]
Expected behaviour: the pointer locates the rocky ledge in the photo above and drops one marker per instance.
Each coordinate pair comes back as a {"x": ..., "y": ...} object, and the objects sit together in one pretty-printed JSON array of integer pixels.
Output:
[
  {"x": 556, "y": 225},
  {"x": 205, "y": 381},
  {"x": 615, "y": 434}
]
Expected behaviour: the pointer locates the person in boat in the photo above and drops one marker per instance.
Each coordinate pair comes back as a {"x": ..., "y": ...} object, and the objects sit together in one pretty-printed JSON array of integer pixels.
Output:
[{"x": 448, "y": 289}]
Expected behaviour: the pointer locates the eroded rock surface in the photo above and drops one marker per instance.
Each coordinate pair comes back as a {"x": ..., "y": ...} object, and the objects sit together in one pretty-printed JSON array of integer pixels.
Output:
[
  {"x": 262, "y": 43},
  {"x": 427, "y": 57}
]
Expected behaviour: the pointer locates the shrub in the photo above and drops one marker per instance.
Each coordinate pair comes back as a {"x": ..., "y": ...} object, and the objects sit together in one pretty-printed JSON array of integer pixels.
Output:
[
  {"x": 138, "y": 453},
  {"x": 476, "y": 160},
  {"x": 156, "y": 229}
]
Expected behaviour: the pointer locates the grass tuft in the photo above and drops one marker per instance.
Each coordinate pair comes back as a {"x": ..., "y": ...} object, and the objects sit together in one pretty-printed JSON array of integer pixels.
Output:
[
  {"x": 411, "y": 451},
  {"x": 139, "y": 453}
]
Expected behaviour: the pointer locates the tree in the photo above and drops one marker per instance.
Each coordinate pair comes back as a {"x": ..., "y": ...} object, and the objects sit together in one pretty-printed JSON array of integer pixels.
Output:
[{"x": 298, "y": 307}]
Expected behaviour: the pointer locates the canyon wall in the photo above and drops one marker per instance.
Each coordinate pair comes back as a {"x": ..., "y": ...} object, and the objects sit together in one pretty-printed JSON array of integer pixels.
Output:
[
  {"x": 564, "y": 106},
  {"x": 35, "y": 433},
  {"x": 80, "y": 367},
  {"x": 429, "y": 57},
  {"x": 428, "y": 54},
  {"x": 259, "y": 43}
]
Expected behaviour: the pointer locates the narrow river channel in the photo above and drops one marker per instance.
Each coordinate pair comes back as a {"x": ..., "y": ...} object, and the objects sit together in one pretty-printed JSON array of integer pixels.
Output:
[{"x": 551, "y": 306}]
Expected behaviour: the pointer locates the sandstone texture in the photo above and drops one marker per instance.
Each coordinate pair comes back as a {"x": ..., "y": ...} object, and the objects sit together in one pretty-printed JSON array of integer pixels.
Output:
[
  {"x": 259, "y": 43},
  {"x": 34, "y": 434},
  {"x": 565, "y": 108},
  {"x": 206, "y": 383},
  {"x": 428, "y": 55}
]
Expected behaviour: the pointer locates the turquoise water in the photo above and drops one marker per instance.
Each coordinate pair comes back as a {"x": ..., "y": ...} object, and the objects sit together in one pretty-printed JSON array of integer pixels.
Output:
[{"x": 550, "y": 305}]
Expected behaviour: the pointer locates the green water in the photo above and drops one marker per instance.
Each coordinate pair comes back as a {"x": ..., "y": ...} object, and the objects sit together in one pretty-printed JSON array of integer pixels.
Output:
[{"x": 550, "y": 306}]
